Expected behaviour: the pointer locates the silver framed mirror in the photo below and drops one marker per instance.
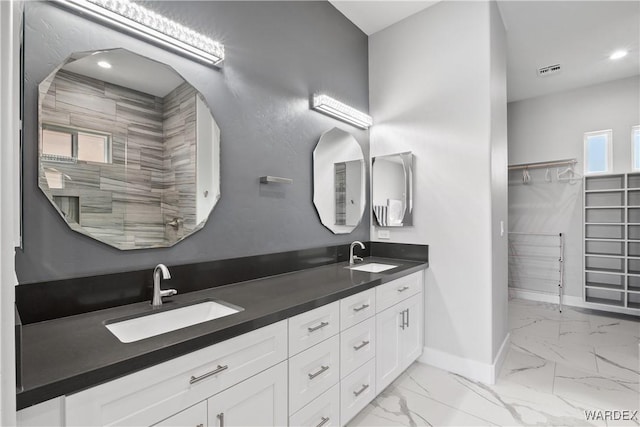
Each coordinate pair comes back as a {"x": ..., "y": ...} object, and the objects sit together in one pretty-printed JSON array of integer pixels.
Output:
[
  {"x": 339, "y": 181},
  {"x": 129, "y": 152},
  {"x": 392, "y": 190}
]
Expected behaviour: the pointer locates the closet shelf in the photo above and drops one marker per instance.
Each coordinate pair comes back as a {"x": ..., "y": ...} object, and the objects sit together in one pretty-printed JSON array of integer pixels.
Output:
[
  {"x": 614, "y": 252},
  {"x": 611, "y": 190},
  {"x": 605, "y": 271},
  {"x": 604, "y": 286},
  {"x": 603, "y": 255},
  {"x": 605, "y": 302}
]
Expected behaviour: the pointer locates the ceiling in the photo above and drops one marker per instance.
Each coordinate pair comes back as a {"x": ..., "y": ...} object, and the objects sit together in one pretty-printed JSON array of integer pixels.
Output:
[
  {"x": 128, "y": 70},
  {"x": 373, "y": 16},
  {"x": 578, "y": 35}
]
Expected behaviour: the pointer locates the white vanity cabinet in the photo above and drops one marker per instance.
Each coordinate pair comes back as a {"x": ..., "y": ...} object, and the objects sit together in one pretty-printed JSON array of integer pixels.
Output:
[
  {"x": 259, "y": 401},
  {"x": 319, "y": 368},
  {"x": 399, "y": 339},
  {"x": 154, "y": 394},
  {"x": 195, "y": 416}
]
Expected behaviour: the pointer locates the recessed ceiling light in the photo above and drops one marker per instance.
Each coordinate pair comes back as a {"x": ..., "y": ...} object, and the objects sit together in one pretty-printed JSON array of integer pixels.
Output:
[
  {"x": 618, "y": 54},
  {"x": 104, "y": 64}
]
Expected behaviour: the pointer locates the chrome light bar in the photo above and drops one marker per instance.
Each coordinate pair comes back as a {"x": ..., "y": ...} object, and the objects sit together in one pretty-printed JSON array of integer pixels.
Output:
[
  {"x": 341, "y": 111},
  {"x": 143, "y": 22}
]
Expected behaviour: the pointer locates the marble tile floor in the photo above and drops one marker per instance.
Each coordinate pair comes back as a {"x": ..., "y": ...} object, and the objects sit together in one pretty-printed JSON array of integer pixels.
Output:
[{"x": 558, "y": 366}]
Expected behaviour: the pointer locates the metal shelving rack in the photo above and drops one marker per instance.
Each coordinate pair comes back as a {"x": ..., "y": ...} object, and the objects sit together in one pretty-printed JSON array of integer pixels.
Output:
[
  {"x": 611, "y": 248},
  {"x": 536, "y": 262}
]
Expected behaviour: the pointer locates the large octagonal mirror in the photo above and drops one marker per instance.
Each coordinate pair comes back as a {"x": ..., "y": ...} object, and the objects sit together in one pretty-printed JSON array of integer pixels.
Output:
[
  {"x": 339, "y": 181},
  {"x": 128, "y": 150}
]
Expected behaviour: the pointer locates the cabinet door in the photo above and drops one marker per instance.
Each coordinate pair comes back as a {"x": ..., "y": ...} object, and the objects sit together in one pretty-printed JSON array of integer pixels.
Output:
[
  {"x": 195, "y": 416},
  {"x": 259, "y": 401},
  {"x": 411, "y": 335},
  {"x": 389, "y": 324}
]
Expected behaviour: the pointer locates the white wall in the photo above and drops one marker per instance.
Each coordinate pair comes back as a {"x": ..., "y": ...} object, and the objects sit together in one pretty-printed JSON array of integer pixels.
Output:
[
  {"x": 9, "y": 201},
  {"x": 551, "y": 127},
  {"x": 430, "y": 92},
  {"x": 499, "y": 177}
]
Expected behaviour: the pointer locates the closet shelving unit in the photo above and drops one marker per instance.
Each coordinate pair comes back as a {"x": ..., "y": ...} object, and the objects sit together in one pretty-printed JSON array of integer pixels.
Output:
[{"x": 612, "y": 242}]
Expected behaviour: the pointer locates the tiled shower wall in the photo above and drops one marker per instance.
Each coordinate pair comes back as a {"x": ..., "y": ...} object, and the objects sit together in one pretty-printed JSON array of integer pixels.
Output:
[
  {"x": 123, "y": 201},
  {"x": 179, "y": 131}
]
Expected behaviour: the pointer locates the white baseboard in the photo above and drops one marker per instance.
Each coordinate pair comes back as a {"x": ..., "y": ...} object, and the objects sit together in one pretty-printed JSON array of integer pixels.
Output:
[
  {"x": 479, "y": 371},
  {"x": 545, "y": 297},
  {"x": 568, "y": 300}
]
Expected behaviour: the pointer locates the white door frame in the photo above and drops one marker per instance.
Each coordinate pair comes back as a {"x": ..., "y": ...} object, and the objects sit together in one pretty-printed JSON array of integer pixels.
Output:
[{"x": 10, "y": 37}]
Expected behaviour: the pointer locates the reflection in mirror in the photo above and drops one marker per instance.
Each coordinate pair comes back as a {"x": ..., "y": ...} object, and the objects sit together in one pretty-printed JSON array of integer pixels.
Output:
[
  {"x": 392, "y": 185},
  {"x": 338, "y": 181},
  {"x": 128, "y": 150}
]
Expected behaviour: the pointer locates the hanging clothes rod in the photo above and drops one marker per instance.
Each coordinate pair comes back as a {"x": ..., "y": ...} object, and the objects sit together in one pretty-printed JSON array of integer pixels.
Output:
[{"x": 535, "y": 165}]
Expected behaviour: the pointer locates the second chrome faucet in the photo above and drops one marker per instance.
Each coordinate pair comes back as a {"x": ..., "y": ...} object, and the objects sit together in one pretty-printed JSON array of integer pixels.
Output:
[
  {"x": 158, "y": 293},
  {"x": 354, "y": 258}
]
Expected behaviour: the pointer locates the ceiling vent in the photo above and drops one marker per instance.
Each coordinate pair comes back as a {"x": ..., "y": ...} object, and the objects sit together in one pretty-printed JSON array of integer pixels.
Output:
[{"x": 549, "y": 70}]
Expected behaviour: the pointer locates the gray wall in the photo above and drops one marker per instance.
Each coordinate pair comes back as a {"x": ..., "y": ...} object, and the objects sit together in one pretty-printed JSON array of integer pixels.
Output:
[
  {"x": 551, "y": 127},
  {"x": 278, "y": 53}
]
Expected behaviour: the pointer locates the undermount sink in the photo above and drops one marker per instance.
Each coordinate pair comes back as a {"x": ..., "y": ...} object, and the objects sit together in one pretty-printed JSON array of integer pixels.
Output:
[
  {"x": 373, "y": 267},
  {"x": 152, "y": 324}
]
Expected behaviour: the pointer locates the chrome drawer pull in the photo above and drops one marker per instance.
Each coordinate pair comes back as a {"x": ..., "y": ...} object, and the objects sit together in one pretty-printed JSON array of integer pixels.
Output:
[
  {"x": 407, "y": 317},
  {"x": 362, "y": 307},
  {"x": 359, "y": 392},
  {"x": 322, "y": 369},
  {"x": 402, "y": 289},
  {"x": 402, "y": 326},
  {"x": 358, "y": 347},
  {"x": 221, "y": 418},
  {"x": 219, "y": 369},
  {"x": 323, "y": 422},
  {"x": 320, "y": 326}
]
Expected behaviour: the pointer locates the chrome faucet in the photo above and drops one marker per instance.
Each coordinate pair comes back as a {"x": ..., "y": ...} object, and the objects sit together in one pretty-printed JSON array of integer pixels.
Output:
[
  {"x": 157, "y": 292},
  {"x": 354, "y": 258}
]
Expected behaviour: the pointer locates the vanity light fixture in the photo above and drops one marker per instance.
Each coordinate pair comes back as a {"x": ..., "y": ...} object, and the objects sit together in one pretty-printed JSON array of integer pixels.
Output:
[
  {"x": 334, "y": 108},
  {"x": 618, "y": 54},
  {"x": 131, "y": 17}
]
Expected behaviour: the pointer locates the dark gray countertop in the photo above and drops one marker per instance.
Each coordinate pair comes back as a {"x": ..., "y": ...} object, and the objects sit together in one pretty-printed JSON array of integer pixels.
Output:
[{"x": 69, "y": 354}]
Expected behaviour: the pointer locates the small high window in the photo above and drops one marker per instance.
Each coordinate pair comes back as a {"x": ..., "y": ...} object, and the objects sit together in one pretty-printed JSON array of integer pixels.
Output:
[
  {"x": 635, "y": 148},
  {"x": 68, "y": 144},
  {"x": 598, "y": 152}
]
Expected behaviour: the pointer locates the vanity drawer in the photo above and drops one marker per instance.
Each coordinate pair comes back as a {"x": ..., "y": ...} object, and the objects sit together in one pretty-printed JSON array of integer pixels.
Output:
[
  {"x": 356, "y": 308},
  {"x": 323, "y": 411},
  {"x": 357, "y": 346},
  {"x": 397, "y": 290},
  {"x": 313, "y": 372},
  {"x": 153, "y": 394},
  {"x": 193, "y": 416},
  {"x": 357, "y": 390},
  {"x": 313, "y": 326}
]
